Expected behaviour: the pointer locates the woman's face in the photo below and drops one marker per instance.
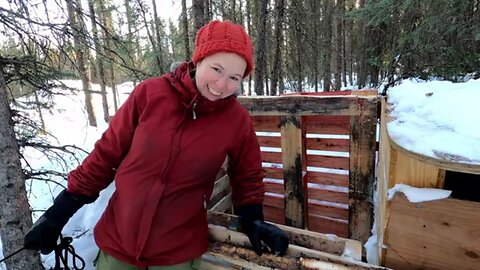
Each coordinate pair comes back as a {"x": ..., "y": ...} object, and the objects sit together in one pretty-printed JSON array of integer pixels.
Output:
[{"x": 219, "y": 75}]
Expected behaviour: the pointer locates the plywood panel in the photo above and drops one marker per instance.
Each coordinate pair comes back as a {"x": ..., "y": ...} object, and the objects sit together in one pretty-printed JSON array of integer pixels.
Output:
[{"x": 442, "y": 234}]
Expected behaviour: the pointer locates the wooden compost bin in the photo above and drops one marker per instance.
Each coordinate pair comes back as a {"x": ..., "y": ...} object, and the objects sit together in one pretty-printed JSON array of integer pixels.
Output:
[
  {"x": 441, "y": 234},
  {"x": 318, "y": 153}
]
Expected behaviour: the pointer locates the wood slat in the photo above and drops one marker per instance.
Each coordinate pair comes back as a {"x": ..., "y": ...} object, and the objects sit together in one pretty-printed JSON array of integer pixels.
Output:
[
  {"x": 270, "y": 141},
  {"x": 440, "y": 234},
  {"x": 275, "y": 173},
  {"x": 319, "y": 124},
  {"x": 274, "y": 201},
  {"x": 327, "y": 211},
  {"x": 326, "y": 225},
  {"x": 362, "y": 180},
  {"x": 274, "y": 187},
  {"x": 340, "y": 145},
  {"x": 274, "y": 214},
  {"x": 327, "y": 195},
  {"x": 301, "y": 105},
  {"x": 321, "y": 161},
  {"x": 271, "y": 157},
  {"x": 266, "y": 123},
  {"x": 328, "y": 178}
]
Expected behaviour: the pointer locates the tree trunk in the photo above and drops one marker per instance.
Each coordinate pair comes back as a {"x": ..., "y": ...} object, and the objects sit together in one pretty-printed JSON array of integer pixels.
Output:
[
  {"x": 327, "y": 41},
  {"x": 297, "y": 33},
  {"x": 78, "y": 29},
  {"x": 315, "y": 19},
  {"x": 15, "y": 215},
  {"x": 250, "y": 32},
  {"x": 99, "y": 61},
  {"x": 199, "y": 14},
  {"x": 277, "y": 52},
  {"x": 186, "y": 39},
  {"x": 260, "y": 50},
  {"x": 339, "y": 47},
  {"x": 159, "y": 51},
  {"x": 106, "y": 20}
]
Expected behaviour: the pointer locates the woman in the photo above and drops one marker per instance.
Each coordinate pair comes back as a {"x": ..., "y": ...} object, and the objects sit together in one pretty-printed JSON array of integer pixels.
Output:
[{"x": 164, "y": 148}]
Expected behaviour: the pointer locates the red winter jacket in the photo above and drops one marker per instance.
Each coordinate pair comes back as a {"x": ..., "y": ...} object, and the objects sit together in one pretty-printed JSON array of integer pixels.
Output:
[{"x": 164, "y": 162}]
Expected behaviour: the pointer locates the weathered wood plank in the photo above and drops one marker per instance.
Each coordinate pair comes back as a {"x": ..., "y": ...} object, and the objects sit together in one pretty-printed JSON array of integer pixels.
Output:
[
  {"x": 220, "y": 185},
  {"x": 327, "y": 195},
  {"x": 296, "y": 257},
  {"x": 441, "y": 234},
  {"x": 299, "y": 237},
  {"x": 301, "y": 105},
  {"x": 266, "y": 123},
  {"x": 327, "y": 144},
  {"x": 325, "y": 178},
  {"x": 269, "y": 141},
  {"x": 271, "y": 157},
  {"x": 328, "y": 225},
  {"x": 342, "y": 163},
  {"x": 331, "y": 124},
  {"x": 327, "y": 210},
  {"x": 224, "y": 204},
  {"x": 293, "y": 159},
  {"x": 362, "y": 169},
  {"x": 275, "y": 173}
]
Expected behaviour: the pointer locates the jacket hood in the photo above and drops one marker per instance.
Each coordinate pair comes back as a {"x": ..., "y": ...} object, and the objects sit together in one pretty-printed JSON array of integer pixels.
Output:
[{"x": 183, "y": 83}]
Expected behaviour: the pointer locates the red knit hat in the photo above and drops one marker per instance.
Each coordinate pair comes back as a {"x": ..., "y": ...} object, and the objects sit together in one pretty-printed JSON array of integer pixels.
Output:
[{"x": 225, "y": 36}]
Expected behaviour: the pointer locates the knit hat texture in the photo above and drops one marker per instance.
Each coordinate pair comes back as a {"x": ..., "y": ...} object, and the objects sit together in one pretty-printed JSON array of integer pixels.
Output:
[{"x": 225, "y": 36}]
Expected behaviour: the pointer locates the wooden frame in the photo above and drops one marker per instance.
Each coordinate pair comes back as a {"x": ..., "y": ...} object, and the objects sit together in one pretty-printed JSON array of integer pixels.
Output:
[
  {"x": 308, "y": 250},
  {"x": 357, "y": 117}
]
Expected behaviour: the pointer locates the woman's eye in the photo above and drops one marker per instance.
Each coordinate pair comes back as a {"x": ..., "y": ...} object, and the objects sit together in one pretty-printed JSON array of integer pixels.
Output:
[
  {"x": 216, "y": 69},
  {"x": 234, "y": 79}
]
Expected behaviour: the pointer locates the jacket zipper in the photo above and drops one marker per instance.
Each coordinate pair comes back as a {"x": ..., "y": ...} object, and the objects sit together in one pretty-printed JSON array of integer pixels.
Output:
[{"x": 194, "y": 115}]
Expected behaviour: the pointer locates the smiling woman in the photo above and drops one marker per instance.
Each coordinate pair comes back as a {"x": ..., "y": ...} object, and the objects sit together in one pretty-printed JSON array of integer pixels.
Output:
[{"x": 164, "y": 148}]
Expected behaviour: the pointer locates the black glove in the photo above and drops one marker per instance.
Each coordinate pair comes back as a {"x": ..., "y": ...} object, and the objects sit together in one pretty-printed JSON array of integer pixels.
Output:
[
  {"x": 44, "y": 233},
  {"x": 258, "y": 231}
]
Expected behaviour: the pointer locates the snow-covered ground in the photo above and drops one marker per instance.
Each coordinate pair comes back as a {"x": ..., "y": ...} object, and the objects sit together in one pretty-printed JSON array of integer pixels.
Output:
[{"x": 441, "y": 115}]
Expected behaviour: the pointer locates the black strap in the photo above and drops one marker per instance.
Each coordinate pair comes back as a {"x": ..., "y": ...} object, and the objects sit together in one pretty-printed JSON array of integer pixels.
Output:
[
  {"x": 66, "y": 247},
  {"x": 11, "y": 255}
]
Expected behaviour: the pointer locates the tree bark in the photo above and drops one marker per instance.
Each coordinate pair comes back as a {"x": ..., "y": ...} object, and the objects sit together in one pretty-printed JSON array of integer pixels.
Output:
[
  {"x": 99, "y": 61},
  {"x": 159, "y": 51},
  {"x": 78, "y": 28},
  {"x": 327, "y": 44},
  {"x": 339, "y": 47},
  {"x": 261, "y": 48},
  {"x": 15, "y": 215},
  {"x": 186, "y": 39},
  {"x": 277, "y": 52},
  {"x": 107, "y": 23},
  {"x": 199, "y": 14}
]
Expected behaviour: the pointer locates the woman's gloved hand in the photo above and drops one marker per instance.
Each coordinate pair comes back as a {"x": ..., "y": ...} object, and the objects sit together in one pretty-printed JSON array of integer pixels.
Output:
[
  {"x": 263, "y": 236},
  {"x": 44, "y": 233}
]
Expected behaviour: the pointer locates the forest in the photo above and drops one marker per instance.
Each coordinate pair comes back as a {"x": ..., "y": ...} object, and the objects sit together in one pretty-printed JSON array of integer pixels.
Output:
[{"x": 300, "y": 46}]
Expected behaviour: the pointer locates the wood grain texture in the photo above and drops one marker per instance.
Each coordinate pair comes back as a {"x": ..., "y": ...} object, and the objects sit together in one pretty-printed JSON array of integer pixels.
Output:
[{"x": 441, "y": 234}]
